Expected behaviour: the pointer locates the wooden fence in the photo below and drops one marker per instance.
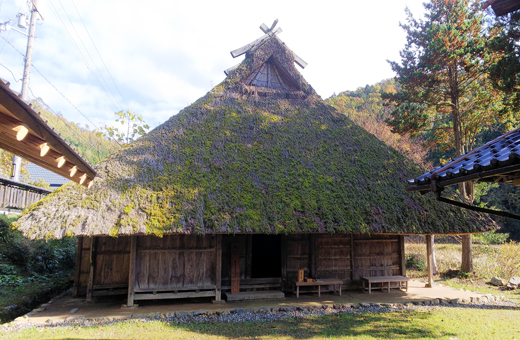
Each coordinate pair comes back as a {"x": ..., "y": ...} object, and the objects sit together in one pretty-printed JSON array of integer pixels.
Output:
[{"x": 15, "y": 196}]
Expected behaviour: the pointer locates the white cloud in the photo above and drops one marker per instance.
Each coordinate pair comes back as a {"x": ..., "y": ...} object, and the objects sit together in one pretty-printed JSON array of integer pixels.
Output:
[{"x": 164, "y": 55}]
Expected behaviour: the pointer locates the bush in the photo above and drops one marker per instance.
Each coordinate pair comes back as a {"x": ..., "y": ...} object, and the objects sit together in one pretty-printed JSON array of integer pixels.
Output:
[
  {"x": 416, "y": 262},
  {"x": 35, "y": 256},
  {"x": 490, "y": 237}
]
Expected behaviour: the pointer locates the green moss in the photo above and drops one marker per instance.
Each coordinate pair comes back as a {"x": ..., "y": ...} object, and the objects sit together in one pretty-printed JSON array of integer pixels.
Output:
[{"x": 234, "y": 162}]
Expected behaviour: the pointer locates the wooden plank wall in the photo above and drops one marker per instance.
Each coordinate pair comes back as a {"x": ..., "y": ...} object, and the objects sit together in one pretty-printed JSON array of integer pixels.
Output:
[
  {"x": 82, "y": 266},
  {"x": 333, "y": 257},
  {"x": 297, "y": 256},
  {"x": 175, "y": 262},
  {"x": 112, "y": 262},
  {"x": 377, "y": 255}
]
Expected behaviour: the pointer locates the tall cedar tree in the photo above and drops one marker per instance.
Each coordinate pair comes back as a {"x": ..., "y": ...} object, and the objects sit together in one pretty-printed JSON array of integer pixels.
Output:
[
  {"x": 444, "y": 84},
  {"x": 445, "y": 87},
  {"x": 505, "y": 73}
]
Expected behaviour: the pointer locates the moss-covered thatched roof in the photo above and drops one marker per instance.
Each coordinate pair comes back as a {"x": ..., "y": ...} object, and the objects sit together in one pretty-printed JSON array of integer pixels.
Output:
[{"x": 252, "y": 160}]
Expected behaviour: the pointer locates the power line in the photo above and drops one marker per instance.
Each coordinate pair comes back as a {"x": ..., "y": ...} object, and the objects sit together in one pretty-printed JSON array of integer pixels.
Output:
[
  {"x": 14, "y": 77},
  {"x": 47, "y": 107},
  {"x": 86, "y": 50},
  {"x": 81, "y": 54},
  {"x": 97, "y": 51}
]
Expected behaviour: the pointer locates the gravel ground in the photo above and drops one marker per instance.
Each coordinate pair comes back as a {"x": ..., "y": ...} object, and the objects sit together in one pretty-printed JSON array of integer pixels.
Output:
[{"x": 264, "y": 314}]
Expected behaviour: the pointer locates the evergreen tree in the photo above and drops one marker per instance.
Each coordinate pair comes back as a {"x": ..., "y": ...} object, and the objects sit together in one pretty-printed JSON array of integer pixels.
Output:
[{"x": 444, "y": 82}]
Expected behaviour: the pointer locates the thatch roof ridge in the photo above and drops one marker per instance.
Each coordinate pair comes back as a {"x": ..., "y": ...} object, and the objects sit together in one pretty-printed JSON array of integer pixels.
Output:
[{"x": 252, "y": 161}]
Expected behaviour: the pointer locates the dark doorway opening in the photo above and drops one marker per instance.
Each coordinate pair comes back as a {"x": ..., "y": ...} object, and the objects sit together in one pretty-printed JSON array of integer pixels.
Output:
[{"x": 266, "y": 260}]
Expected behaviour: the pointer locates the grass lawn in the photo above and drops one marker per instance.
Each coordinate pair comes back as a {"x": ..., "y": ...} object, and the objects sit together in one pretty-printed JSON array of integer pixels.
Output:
[{"x": 441, "y": 322}]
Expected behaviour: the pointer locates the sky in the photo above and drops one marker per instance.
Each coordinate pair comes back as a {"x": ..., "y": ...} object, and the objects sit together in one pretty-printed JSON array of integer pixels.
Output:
[{"x": 92, "y": 58}]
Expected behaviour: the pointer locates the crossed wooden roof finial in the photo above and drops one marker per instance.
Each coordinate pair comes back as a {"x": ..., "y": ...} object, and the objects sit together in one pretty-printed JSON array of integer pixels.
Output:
[{"x": 269, "y": 32}]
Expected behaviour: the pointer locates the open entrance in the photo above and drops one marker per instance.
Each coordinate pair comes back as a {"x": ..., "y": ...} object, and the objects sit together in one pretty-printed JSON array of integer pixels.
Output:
[{"x": 266, "y": 258}]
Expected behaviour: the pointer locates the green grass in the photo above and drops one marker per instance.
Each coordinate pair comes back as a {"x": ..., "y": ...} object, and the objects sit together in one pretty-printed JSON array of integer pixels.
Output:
[{"x": 441, "y": 322}]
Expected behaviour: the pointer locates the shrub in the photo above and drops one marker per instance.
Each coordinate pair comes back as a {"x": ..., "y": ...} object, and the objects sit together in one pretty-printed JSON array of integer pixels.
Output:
[
  {"x": 490, "y": 237},
  {"x": 416, "y": 262}
]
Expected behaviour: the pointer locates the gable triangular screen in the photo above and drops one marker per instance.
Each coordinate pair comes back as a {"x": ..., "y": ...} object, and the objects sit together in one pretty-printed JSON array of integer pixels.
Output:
[{"x": 269, "y": 76}]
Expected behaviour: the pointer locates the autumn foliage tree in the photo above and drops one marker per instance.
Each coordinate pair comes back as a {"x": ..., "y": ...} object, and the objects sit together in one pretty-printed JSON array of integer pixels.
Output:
[
  {"x": 443, "y": 76},
  {"x": 445, "y": 87}
]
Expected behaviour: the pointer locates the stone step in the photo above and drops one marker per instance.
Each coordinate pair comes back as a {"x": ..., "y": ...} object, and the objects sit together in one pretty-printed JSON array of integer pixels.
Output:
[{"x": 256, "y": 295}]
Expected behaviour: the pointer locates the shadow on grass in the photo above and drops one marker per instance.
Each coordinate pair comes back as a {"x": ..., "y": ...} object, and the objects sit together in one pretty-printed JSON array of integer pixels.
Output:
[{"x": 376, "y": 325}]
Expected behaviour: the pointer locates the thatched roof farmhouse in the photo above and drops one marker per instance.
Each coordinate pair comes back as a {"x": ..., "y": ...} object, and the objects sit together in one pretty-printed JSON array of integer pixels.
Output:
[{"x": 260, "y": 155}]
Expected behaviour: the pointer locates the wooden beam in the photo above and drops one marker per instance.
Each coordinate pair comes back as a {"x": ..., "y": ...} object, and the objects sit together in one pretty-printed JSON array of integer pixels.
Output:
[
  {"x": 429, "y": 258},
  {"x": 283, "y": 257},
  {"x": 239, "y": 51},
  {"x": 402, "y": 255},
  {"x": 249, "y": 256},
  {"x": 218, "y": 266},
  {"x": 351, "y": 257},
  {"x": 19, "y": 109},
  {"x": 90, "y": 285},
  {"x": 78, "y": 267},
  {"x": 131, "y": 272},
  {"x": 312, "y": 255},
  {"x": 33, "y": 148}
]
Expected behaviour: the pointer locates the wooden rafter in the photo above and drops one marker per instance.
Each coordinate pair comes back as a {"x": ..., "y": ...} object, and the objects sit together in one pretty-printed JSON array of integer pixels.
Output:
[{"x": 24, "y": 133}]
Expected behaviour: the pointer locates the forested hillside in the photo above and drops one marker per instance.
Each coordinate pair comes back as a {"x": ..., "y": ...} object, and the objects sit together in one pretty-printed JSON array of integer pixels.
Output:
[{"x": 365, "y": 107}]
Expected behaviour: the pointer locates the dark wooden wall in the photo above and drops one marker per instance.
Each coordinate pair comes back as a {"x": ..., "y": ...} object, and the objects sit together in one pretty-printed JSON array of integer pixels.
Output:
[
  {"x": 175, "y": 262},
  {"x": 176, "y": 266},
  {"x": 102, "y": 263},
  {"x": 377, "y": 255}
]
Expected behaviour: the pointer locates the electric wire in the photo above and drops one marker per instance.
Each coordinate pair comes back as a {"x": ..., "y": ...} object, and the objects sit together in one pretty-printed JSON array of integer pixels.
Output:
[
  {"x": 99, "y": 54},
  {"x": 9, "y": 32},
  {"x": 14, "y": 77},
  {"x": 47, "y": 107},
  {"x": 81, "y": 54},
  {"x": 87, "y": 51},
  {"x": 48, "y": 81}
]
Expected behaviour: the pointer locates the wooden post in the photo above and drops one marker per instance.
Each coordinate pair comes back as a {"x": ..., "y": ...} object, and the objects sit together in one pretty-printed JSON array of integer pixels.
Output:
[
  {"x": 312, "y": 256},
  {"x": 249, "y": 255},
  {"x": 283, "y": 256},
  {"x": 131, "y": 273},
  {"x": 90, "y": 285},
  {"x": 235, "y": 269},
  {"x": 429, "y": 256},
  {"x": 218, "y": 266},
  {"x": 467, "y": 254},
  {"x": 77, "y": 272},
  {"x": 403, "y": 257},
  {"x": 351, "y": 257}
]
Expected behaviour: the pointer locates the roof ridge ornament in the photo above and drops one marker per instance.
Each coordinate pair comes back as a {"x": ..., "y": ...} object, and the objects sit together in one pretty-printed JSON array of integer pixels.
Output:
[{"x": 269, "y": 32}]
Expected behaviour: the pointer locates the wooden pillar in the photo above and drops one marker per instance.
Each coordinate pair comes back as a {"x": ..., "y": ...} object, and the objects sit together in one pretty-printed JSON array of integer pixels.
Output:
[
  {"x": 312, "y": 255},
  {"x": 92, "y": 257},
  {"x": 131, "y": 273},
  {"x": 429, "y": 258},
  {"x": 249, "y": 256},
  {"x": 218, "y": 266},
  {"x": 235, "y": 269},
  {"x": 402, "y": 255},
  {"x": 77, "y": 272},
  {"x": 351, "y": 257},
  {"x": 467, "y": 254},
  {"x": 285, "y": 284}
]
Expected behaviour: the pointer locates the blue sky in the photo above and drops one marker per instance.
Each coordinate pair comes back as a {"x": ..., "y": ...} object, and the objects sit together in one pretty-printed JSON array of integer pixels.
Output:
[{"x": 164, "y": 55}]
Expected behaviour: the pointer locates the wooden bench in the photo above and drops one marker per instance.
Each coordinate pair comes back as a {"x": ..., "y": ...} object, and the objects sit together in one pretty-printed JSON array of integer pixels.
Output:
[
  {"x": 324, "y": 282},
  {"x": 385, "y": 279}
]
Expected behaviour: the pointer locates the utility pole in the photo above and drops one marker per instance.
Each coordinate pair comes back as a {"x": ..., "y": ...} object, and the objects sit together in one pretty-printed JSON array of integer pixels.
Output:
[{"x": 17, "y": 161}]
